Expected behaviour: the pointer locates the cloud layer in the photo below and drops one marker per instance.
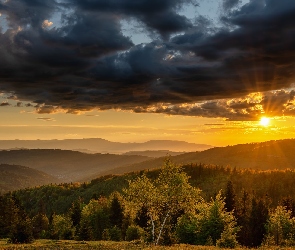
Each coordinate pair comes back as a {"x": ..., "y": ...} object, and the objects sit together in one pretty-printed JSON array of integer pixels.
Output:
[{"x": 74, "y": 56}]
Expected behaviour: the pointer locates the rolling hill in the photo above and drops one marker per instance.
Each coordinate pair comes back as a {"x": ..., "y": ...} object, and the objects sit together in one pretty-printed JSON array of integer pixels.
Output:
[
  {"x": 261, "y": 156},
  {"x": 14, "y": 177},
  {"x": 67, "y": 165}
]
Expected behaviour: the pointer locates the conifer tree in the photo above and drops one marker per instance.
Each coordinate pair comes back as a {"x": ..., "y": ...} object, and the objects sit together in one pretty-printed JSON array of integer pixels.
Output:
[
  {"x": 75, "y": 212},
  {"x": 229, "y": 197},
  {"x": 116, "y": 211},
  {"x": 258, "y": 219},
  {"x": 242, "y": 213}
]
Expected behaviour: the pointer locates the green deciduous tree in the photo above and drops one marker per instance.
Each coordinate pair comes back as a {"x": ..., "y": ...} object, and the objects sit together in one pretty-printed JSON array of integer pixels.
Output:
[
  {"x": 280, "y": 227},
  {"x": 62, "y": 227},
  {"x": 162, "y": 198},
  {"x": 94, "y": 219},
  {"x": 40, "y": 224}
]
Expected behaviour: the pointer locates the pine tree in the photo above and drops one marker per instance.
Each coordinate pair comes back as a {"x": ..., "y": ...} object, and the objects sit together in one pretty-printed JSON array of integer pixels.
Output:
[
  {"x": 242, "y": 213},
  {"x": 116, "y": 211},
  {"x": 75, "y": 212},
  {"x": 229, "y": 197},
  {"x": 258, "y": 219}
]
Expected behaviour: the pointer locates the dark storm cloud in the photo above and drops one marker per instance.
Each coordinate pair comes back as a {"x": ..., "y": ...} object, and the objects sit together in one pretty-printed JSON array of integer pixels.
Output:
[
  {"x": 72, "y": 56},
  {"x": 160, "y": 16},
  {"x": 228, "y": 4}
]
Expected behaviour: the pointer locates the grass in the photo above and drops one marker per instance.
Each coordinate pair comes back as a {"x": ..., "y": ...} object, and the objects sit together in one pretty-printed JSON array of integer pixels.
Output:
[{"x": 109, "y": 245}]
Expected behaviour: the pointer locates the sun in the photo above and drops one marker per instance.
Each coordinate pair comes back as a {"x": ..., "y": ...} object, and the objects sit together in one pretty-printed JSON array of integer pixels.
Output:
[{"x": 264, "y": 121}]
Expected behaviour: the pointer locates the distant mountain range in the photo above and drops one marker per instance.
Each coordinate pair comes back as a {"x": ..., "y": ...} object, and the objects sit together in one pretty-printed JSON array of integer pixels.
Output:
[
  {"x": 154, "y": 153},
  {"x": 97, "y": 145},
  {"x": 72, "y": 166},
  {"x": 13, "y": 177},
  {"x": 66, "y": 165}
]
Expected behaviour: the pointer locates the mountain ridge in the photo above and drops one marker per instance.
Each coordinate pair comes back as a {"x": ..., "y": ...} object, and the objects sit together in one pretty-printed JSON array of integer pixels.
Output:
[
  {"x": 67, "y": 165},
  {"x": 98, "y": 145}
]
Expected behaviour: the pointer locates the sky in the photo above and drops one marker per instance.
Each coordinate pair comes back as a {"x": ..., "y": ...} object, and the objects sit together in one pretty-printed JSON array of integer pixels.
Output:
[{"x": 138, "y": 70}]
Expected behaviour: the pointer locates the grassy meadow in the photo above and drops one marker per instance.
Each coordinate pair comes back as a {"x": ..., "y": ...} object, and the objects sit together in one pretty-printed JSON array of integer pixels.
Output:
[{"x": 110, "y": 245}]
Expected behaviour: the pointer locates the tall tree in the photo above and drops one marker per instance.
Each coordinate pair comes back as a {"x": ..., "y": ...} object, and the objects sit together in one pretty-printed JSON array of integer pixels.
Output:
[
  {"x": 165, "y": 196},
  {"x": 95, "y": 219},
  {"x": 208, "y": 225},
  {"x": 116, "y": 210},
  {"x": 62, "y": 227},
  {"x": 75, "y": 212},
  {"x": 257, "y": 221},
  {"x": 40, "y": 224},
  {"x": 229, "y": 197},
  {"x": 280, "y": 227},
  {"x": 242, "y": 213}
]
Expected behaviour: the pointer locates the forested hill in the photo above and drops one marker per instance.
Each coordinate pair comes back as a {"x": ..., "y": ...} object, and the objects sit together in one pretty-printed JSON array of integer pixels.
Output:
[
  {"x": 260, "y": 156},
  {"x": 58, "y": 199},
  {"x": 67, "y": 165},
  {"x": 13, "y": 177}
]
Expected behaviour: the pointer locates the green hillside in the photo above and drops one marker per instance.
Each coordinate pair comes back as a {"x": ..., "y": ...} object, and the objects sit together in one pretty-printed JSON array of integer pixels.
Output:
[
  {"x": 261, "y": 156},
  {"x": 13, "y": 177},
  {"x": 210, "y": 179}
]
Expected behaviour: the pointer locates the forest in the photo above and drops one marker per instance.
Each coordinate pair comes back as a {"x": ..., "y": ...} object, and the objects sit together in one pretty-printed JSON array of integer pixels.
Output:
[{"x": 194, "y": 204}]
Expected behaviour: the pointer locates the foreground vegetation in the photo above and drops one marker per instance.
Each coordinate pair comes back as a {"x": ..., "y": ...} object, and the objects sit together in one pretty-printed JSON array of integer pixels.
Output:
[
  {"x": 109, "y": 245},
  {"x": 162, "y": 207}
]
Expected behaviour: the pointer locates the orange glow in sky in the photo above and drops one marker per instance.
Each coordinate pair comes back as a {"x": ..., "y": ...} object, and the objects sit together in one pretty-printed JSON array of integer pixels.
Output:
[{"x": 124, "y": 126}]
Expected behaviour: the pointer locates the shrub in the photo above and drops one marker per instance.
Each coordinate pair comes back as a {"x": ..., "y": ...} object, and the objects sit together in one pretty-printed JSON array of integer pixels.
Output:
[
  {"x": 134, "y": 233},
  {"x": 113, "y": 234}
]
